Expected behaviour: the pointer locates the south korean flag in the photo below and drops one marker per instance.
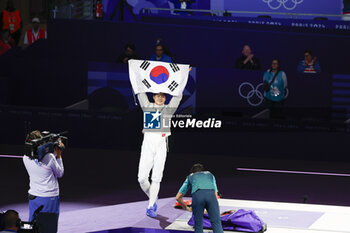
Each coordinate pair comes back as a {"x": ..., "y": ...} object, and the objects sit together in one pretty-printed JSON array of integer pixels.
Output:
[{"x": 155, "y": 76}]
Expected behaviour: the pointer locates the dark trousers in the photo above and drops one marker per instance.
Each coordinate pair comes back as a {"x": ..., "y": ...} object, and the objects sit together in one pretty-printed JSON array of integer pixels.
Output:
[
  {"x": 275, "y": 107},
  {"x": 17, "y": 36},
  {"x": 206, "y": 199}
]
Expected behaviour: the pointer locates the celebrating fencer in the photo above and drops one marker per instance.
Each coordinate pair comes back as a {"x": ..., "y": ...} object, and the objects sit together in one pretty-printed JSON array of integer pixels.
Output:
[{"x": 159, "y": 78}]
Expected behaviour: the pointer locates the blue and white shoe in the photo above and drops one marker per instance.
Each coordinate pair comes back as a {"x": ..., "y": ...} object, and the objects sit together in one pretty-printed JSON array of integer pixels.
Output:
[{"x": 151, "y": 213}]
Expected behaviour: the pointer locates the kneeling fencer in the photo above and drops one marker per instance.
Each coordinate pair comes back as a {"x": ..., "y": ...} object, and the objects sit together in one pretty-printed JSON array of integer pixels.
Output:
[{"x": 154, "y": 148}]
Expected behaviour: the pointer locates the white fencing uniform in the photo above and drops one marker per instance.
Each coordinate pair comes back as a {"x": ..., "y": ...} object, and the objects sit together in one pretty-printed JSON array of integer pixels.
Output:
[
  {"x": 154, "y": 149},
  {"x": 153, "y": 155}
]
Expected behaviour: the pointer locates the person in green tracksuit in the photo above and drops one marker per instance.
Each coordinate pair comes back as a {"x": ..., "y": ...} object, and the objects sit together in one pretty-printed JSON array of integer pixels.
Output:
[{"x": 204, "y": 196}]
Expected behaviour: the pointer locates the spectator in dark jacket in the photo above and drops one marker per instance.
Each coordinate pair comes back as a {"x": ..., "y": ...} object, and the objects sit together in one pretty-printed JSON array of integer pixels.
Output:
[
  {"x": 129, "y": 53},
  {"x": 247, "y": 61}
]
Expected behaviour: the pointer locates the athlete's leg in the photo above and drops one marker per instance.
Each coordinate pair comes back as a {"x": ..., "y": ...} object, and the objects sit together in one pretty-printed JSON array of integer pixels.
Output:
[
  {"x": 145, "y": 165},
  {"x": 154, "y": 190},
  {"x": 158, "y": 168}
]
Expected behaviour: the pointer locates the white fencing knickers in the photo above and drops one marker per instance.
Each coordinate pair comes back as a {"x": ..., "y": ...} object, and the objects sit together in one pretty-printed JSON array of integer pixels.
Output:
[{"x": 153, "y": 157}]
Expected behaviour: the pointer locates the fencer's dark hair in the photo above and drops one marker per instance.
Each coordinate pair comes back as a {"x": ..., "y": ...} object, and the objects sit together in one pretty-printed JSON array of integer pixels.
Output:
[
  {"x": 10, "y": 219},
  {"x": 308, "y": 51},
  {"x": 159, "y": 93},
  {"x": 197, "y": 168},
  {"x": 33, "y": 135}
]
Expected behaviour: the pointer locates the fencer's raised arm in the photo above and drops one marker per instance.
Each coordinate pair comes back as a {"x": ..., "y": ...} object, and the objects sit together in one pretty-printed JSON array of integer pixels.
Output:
[
  {"x": 174, "y": 104},
  {"x": 143, "y": 99}
]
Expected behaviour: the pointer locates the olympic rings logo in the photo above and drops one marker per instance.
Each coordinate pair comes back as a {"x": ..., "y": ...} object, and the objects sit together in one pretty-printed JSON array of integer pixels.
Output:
[
  {"x": 254, "y": 91},
  {"x": 283, "y": 3}
]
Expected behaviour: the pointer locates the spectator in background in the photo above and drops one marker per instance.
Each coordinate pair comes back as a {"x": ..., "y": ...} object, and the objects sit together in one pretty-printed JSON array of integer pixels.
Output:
[
  {"x": 275, "y": 84},
  {"x": 6, "y": 42},
  {"x": 247, "y": 61},
  {"x": 160, "y": 55},
  {"x": 11, "y": 20},
  {"x": 129, "y": 53},
  {"x": 309, "y": 65},
  {"x": 182, "y": 4},
  {"x": 10, "y": 222},
  {"x": 99, "y": 10},
  {"x": 35, "y": 33}
]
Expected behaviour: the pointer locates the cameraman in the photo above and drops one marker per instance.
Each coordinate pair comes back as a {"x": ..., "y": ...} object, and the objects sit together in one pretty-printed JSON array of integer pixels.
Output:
[{"x": 43, "y": 179}]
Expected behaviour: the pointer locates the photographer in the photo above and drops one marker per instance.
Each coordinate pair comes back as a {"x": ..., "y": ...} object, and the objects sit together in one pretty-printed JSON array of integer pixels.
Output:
[
  {"x": 43, "y": 177},
  {"x": 10, "y": 222}
]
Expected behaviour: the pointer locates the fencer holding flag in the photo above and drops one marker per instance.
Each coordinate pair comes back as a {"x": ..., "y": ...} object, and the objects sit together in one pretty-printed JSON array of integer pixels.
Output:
[{"x": 160, "y": 78}]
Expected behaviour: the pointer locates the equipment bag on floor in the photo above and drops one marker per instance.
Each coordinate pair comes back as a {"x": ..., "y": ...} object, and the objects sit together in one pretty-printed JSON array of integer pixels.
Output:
[{"x": 241, "y": 220}]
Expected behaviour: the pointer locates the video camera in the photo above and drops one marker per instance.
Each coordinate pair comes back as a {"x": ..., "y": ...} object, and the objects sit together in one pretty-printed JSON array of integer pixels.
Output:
[
  {"x": 39, "y": 147},
  {"x": 31, "y": 227}
]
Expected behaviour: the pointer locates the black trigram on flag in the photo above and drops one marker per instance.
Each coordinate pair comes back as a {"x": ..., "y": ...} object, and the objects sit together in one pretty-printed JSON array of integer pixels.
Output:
[
  {"x": 174, "y": 67},
  {"x": 145, "y": 65},
  {"x": 146, "y": 83},
  {"x": 173, "y": 85}
]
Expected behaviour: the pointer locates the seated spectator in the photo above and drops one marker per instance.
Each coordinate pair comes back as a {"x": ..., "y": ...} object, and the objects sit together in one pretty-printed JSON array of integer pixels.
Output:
[
  {"x": 182, "y": 4},
  {"x": 160, "y": 55},
  {"x": 35, "y": 33},
  {"x": 129, "y": 53},
  {"x": 274, "y": 85},
  {"x": 247, "y": 61},
  {"x": 6, "y": 42},
  {"x": 10, "y": 222},
  {"x": 309, "y": 64}
]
